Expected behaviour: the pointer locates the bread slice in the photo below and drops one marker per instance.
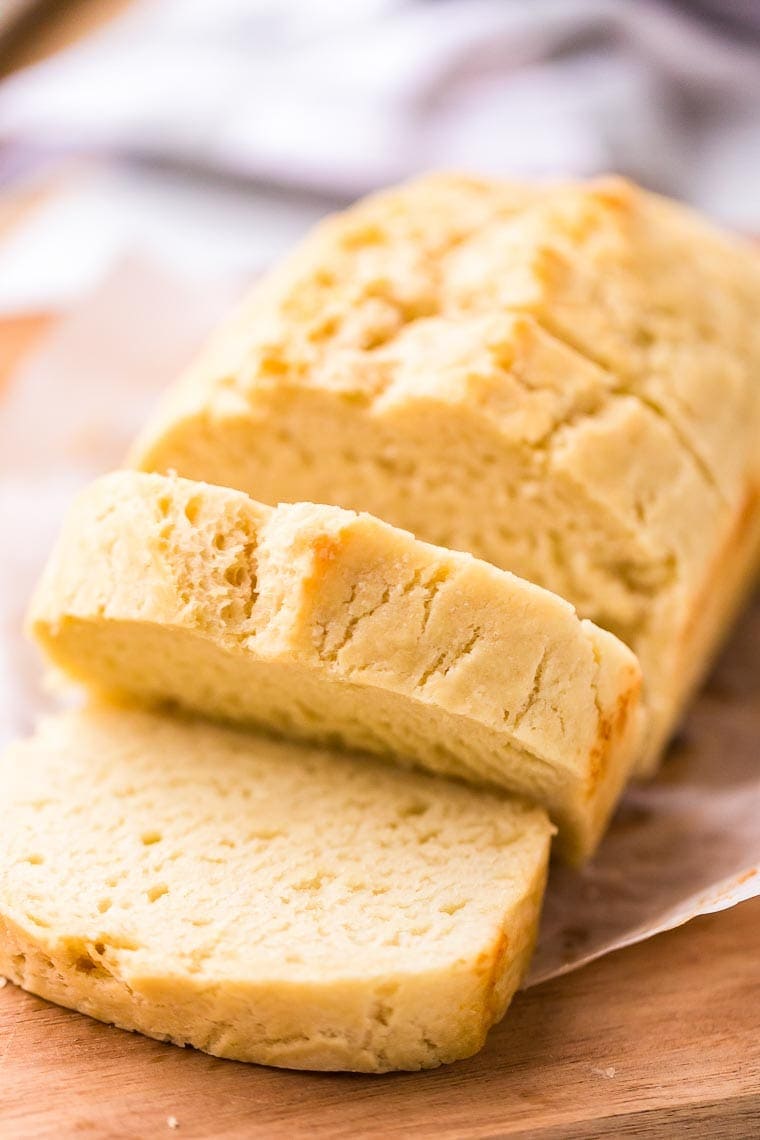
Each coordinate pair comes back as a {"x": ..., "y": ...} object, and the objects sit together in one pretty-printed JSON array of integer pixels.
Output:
[
  {"x": 327, "y": 625},
  {"x": 562, "y": 380},
  {"x": 262, "y": 900}
]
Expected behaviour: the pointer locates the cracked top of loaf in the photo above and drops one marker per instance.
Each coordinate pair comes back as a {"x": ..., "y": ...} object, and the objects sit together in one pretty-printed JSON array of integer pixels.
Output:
[{"x": 561, "y": 379}]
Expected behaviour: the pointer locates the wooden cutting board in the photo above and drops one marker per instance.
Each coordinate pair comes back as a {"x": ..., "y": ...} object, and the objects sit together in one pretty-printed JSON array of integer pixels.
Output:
[{"x": 659, "y": 1040}]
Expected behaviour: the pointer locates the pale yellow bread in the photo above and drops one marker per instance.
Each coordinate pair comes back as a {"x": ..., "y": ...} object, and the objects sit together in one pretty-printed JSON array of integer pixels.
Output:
[
  {"x": 323, "y": 624},
  {"x": 262, "y": 900},
  {"x": 563, "y": 380}
]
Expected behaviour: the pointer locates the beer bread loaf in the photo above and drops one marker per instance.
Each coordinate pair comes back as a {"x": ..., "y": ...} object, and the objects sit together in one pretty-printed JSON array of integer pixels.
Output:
[{"x": 563, "y": 380}]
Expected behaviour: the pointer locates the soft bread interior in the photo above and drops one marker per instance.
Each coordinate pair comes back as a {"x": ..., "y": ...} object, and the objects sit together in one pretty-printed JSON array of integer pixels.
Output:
[{"x": 260, "y": 900}]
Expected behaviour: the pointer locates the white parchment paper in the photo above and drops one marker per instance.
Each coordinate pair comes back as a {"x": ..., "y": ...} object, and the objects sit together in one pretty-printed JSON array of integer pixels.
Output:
[{"x": 686, "y": 844}]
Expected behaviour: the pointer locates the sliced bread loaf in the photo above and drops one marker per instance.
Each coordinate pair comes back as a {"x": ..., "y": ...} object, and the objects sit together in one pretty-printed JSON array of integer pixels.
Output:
[
  {"x": 562, "y": 380},
  {"x": 327, "y": 625},
  {"x": 261, "y": 900}
]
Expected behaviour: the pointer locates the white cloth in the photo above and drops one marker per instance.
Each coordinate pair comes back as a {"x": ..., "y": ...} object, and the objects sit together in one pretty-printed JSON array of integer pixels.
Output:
[
  {"x": 234, "y": 101},
  {"x": 201, "y": 232},
  {"x": 340, "y": 96}
]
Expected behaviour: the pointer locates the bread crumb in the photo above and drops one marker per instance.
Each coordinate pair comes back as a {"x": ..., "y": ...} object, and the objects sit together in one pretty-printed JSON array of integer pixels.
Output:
[
  {"x": 608, "y": 1072},
  {"x": 172, "y": 1122},
  {"x": 3, "y": 981},
  {"x": 235, "y": 788}
]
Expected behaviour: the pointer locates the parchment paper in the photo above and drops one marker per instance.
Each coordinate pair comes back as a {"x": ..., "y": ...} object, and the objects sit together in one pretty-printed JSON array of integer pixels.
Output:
[{"x": 686, "y": 844}]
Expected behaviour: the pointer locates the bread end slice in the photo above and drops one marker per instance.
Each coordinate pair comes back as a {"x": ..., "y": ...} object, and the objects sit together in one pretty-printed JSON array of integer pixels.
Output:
[{"x": 260, "y": 900}]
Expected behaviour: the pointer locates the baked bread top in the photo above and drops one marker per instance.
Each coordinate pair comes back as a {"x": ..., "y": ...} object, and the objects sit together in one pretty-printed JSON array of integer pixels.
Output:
[{"x": 561, "y": 379}]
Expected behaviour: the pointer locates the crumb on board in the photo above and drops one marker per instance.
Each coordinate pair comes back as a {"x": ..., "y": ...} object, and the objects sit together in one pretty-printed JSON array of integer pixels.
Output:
[
  {"x": 609, "y": 1071},
  {"x": 172, "y": 1122},
  {"x": 3, "y": 981}
]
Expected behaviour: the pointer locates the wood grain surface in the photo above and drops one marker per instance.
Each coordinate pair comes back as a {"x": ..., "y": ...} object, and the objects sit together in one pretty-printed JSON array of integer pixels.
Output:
[{"x": 660, "y": 1040}]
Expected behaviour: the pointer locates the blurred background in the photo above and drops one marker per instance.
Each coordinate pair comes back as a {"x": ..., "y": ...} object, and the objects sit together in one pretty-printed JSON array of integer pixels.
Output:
[{"x": 205, "y": 135}]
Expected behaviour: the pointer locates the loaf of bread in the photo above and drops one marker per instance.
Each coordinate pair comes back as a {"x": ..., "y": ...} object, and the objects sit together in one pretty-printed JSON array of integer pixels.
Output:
[
  {"x": 262, "y": 900},
  {"x": 562, "y": 380},
  {"x": 331, "y": 626}
]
